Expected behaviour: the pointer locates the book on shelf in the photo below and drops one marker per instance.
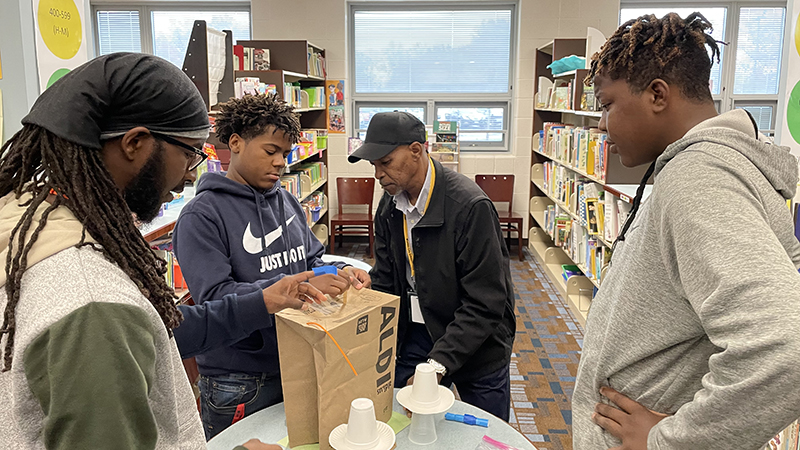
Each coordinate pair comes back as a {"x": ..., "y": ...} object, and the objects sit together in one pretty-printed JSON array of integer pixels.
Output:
[
  {"x": 582, "y": 148},
  {"x": 560, "y": 97},
  {"x": 238, "y": 57},
  {"x": 292, "y": 181},
  {"x": 316, "y": 96},
  {"x": 570, "y": 270},
  {"x": 543, "y": 94},
  {"x": 316, "y": 64},
  {"x": 443, "y": 143},
  {"x": 444, "y": 147},
  {"x": 252, "y": 86},
  {"x": 261, "y": 59},
  {"x": 315, "y": 171},
  {"x": 293, "y": 94},
  {"x": 248, "y": 58},
  {"x": 588, "y": 100},
  {"x": 788, "y": 439},
  {"x": 599, "y": 211}
]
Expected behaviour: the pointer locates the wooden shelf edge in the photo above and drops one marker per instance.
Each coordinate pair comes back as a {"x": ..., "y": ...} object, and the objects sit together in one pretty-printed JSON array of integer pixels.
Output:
[
  {"x": 159, "y": 232},
  {"x": 538, "y": 247}
]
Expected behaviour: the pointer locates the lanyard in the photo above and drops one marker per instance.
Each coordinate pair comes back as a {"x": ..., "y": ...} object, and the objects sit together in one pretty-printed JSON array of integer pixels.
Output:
[{"x": 410, "y": 253}]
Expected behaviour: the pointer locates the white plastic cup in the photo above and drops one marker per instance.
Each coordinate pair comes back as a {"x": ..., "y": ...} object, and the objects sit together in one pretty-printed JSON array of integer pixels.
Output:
[
  {"x": 423, "y": 429},
  {"x": 362, "y": 428},
  {"x": 425, "y": 390}
]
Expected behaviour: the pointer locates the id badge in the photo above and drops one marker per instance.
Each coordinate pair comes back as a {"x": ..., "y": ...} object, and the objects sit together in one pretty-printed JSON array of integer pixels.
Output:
[{"x": 416, "y": 311}]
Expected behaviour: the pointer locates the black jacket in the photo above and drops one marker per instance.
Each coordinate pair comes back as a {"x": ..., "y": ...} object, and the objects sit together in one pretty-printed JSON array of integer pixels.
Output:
[{"x": 462, "y": 275}]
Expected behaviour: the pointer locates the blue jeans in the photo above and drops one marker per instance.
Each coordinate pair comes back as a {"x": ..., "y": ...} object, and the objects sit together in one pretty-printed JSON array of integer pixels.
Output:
[
  {"x": 220, "y": 395},
  {"x": 491, "y": 393}
]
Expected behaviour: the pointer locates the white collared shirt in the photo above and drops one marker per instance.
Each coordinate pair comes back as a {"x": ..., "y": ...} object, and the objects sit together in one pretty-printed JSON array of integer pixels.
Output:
[{"x": 413, "y": 215}]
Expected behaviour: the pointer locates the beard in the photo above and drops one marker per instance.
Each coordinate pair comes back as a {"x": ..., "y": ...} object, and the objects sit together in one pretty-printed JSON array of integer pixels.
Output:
[{"x": 143, "y": 194}]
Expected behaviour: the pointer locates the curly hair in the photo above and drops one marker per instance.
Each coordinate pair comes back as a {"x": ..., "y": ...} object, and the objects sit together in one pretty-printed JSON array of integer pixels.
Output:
[
  {"x": 38, "y": 162},
  {"x": 670, "y": 48},
  {"x": 252, "y": 115}
]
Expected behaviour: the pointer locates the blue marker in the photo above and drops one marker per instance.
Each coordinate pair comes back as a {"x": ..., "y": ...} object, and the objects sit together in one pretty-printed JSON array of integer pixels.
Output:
[
  {"x": 467, "y": 419},
  {"x": 325, "y": 270}
]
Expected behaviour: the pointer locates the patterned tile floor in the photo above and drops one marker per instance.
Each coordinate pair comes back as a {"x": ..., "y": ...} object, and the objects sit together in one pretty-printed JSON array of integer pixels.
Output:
[{"x": 545, "y": 358}]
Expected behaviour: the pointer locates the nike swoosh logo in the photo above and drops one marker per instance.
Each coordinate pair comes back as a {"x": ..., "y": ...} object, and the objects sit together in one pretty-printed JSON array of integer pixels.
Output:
[{"x": 252, "y": 244}]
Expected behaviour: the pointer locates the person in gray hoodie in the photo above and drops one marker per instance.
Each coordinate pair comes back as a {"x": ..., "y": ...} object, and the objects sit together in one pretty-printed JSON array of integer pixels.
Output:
[{"x": 693, "y": 339}]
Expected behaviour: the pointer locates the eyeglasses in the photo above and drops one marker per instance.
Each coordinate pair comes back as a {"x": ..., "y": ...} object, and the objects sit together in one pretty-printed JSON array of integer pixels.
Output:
[{"x": 197, "y": 154}]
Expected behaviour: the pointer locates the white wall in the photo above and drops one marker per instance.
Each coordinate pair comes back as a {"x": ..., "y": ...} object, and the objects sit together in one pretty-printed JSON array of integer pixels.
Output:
[
  {"x": 20, "y": 83},
  {"x": 325, "y": 24}
]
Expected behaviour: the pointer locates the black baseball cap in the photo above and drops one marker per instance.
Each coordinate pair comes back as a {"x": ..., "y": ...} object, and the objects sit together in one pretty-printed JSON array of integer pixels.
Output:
[{"x": 386, "y": 132}]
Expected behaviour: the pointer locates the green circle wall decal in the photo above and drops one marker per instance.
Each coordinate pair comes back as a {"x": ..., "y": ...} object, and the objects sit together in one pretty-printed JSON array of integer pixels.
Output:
[{"x": 56, "y": 76}]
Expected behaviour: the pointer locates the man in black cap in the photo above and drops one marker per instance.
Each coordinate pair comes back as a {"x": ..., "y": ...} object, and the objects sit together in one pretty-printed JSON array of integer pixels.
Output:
[
  {"x": 439, "y": 246},
  {"x": 88, "y": 355}
]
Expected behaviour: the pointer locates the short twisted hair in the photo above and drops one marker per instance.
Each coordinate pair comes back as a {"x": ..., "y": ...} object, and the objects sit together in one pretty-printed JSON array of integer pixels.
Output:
[
  {"x": 251, "y": 115},
  {"x": 670, "y": 48}
]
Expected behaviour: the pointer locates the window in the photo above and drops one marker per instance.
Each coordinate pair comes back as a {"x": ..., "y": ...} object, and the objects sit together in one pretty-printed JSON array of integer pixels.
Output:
[
  {"x": 748, "y": 75},
  {"x": 365, "y": 113},
  {"x": 717, "y": 17},
  {"x": 163, "y": 31},
  {"x": 171, "y": 29},
  {"x": 118, "y": 31},
  {"x": 759, "y": 45},
  {"x": 439, "y": 62},
  {"x": 482, "y": 126}
]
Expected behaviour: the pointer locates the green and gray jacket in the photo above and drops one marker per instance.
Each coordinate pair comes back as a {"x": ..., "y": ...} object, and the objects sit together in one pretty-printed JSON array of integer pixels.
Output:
[{"x": 93, "y": 364}]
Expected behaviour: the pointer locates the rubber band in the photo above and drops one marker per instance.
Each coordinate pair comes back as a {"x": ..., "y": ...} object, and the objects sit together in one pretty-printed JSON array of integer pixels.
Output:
[{"x": 337, "y": 345}]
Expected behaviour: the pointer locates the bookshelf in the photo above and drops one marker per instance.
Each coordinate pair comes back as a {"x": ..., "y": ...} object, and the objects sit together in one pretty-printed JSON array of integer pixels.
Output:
[
  {"x": 443, "y": 144},
  {"x": 579, "y": 193},
  {"x": 300, "y": 62}
]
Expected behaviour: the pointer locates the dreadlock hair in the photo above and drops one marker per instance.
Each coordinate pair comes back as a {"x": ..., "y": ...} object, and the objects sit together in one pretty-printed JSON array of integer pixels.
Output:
[
  {"x": 35, "y": 161},
  {"x": 670, "y": 48},
  {"x": 251, "y": 115}
]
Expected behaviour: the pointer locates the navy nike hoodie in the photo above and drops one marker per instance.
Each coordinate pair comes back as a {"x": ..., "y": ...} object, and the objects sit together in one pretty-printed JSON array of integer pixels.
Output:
[{"x": 232, "y": 239}]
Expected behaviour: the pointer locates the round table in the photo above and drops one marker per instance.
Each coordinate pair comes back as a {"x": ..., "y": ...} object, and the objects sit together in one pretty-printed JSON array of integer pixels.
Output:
[
  {"x": 269, "y": 425},
  {"x": 358, "y": 264}
]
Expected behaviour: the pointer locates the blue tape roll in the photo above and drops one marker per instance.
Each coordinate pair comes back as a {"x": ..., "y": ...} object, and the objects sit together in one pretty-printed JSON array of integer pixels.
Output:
[{"x": 325, "y": 270}]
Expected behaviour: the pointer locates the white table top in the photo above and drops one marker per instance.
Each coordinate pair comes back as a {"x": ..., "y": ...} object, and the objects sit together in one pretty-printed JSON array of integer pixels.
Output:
[
  {"x": 358, "y": 264},
  {"x": 269, "y": 425}
]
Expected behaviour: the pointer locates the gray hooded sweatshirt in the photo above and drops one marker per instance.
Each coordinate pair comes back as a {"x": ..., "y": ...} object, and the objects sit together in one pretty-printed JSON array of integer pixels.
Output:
[{"x": 699, "y": 314}]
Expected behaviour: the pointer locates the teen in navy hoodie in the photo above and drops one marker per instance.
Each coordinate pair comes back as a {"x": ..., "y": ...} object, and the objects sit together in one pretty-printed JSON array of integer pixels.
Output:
[{"x": 241, "y": 233}]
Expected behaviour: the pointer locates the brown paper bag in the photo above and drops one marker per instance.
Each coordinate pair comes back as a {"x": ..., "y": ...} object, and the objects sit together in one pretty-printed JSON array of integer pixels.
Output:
[{"x": 318, "y": 382}]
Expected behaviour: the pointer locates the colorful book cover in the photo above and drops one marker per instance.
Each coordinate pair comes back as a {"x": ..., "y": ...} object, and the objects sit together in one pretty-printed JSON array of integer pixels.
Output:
[
  {"x": 261, "y": 59},
  {"x": 592, "y": 215},
  {"x": 238, "y": 57},
  {"x": 445, "y": 127}
]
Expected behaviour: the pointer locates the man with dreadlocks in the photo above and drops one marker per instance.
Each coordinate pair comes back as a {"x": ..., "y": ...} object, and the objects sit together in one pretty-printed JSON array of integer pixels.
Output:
[
  {"x": 88, "y": 355},
  {"x": 692, "y": 340},
  {"x": 241, "y": 233}
]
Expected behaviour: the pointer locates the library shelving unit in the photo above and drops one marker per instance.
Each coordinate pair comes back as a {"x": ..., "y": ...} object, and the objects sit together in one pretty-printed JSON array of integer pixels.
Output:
[
  {"x": 293, "y": 61},
  {"x": 444, "y": 145},
  {"x": 569, "y": 159}
]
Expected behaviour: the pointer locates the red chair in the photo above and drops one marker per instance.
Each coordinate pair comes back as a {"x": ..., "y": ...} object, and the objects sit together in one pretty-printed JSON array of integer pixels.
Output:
[
  {"x": 500, "y": 189},
  {"x": 354, "y": 191}
]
